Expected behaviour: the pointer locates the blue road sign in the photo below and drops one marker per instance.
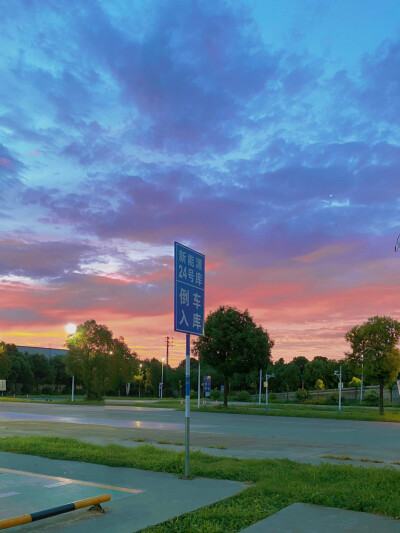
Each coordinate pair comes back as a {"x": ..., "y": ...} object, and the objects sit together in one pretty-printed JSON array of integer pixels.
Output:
[
  {"x": 189, "y": 290},
  {"x": 207, "y": 385}
]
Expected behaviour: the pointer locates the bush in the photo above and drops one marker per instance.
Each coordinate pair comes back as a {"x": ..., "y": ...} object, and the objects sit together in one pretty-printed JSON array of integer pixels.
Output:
[
  {"x": 47, "y": 390},
  {"x": 302, "y": 395},
  {"x": 315, "y": 401},
  {"x": 272, "y": 397},
  {"x": 243, "y": 396},
  {"x": 193, "y": 394},
  {"x": 333, "y": 399},
  {"x": 371, "y": 398},
  {"x": 215, "y": 394}
]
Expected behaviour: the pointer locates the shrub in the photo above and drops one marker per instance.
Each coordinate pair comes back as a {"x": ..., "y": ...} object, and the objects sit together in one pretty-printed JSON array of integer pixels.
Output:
[
  {"x": 315, "y": 401},
  {"x": 302, "y": 395},
  {"x": 193, "y": 394},
  {"x": 272, "y": 397},
  {"x": 243, "y": 396},
  {"x": 215, "y": 394},
  {"x": 333, "y": 399},
  {"x": 371, "y": 398}
]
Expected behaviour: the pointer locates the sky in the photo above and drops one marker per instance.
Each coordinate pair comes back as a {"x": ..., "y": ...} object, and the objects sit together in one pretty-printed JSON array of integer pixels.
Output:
[{"x": 264, "y": 134}]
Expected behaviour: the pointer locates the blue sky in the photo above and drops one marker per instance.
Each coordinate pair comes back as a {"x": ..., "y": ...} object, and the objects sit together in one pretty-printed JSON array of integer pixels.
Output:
[{"x": 263, "y": 134}]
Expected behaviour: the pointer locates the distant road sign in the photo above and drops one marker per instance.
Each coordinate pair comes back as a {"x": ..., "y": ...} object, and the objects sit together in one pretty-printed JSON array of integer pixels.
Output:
[
  {"x": 3, "y": 385},
  {"x": 207, "y": 385},
  {"x": 189, "y": 290}
]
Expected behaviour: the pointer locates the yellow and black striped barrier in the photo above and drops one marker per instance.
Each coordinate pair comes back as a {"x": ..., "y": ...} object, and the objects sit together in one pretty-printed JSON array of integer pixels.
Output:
[{"x": 39, "y": 515}]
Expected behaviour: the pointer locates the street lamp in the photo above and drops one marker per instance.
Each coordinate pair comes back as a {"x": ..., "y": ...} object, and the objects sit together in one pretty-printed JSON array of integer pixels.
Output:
[
  {"x": 339, "y": 374},
  {"x": 267, "y": 376},
  {"x": 140, "y": 376},
  {"x": 362, "y": 378},
  {"x": 71, "y": 330},
  {"x": 162, "y": 376}
]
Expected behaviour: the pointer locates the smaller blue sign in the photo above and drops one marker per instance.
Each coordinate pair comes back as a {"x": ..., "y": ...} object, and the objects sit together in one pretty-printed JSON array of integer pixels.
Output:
[{"x": 207, "y": 385}]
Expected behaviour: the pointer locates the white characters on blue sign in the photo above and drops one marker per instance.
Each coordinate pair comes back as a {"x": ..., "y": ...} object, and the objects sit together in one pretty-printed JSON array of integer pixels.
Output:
[{"x": 189, "y": 290}]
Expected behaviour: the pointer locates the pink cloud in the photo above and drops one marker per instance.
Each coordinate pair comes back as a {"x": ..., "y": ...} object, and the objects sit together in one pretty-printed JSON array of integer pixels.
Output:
[
  {"x": 35, "y": 152},
  {"x": 4, "y": 162}
]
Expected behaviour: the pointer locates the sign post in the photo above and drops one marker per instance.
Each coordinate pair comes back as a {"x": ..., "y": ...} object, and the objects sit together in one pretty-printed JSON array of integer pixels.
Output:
[
  {"x": 207, "y": 388},
  {"x": 267, "y": 376},
  {"x": 188, "y": 313}
]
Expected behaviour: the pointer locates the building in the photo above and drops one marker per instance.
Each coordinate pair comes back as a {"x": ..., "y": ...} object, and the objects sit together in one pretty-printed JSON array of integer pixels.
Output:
[{"x": 48, "y": 352}]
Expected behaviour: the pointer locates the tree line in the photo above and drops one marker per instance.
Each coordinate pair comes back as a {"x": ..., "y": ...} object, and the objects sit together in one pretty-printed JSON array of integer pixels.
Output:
[{"x": 232, "y": 351}]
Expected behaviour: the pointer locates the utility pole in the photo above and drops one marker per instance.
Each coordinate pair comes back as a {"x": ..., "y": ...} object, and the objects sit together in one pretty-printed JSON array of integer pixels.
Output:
[{"x": 169, "y": 341}]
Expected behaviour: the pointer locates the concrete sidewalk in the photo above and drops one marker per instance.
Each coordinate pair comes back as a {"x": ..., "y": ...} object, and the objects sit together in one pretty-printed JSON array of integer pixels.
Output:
[
  {"x": 139, "y": 498},
  {"x": 304, "y": 518}
]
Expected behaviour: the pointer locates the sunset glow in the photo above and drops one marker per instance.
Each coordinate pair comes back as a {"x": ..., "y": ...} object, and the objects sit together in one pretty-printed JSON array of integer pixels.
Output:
[{"x": 265, "y": 135}]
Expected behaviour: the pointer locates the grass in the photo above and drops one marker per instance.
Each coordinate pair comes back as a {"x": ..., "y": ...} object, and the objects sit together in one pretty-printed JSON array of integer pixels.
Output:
[
  {"x": 338, "y": 457},
  {"x": 273, "y": 483},
  {"x": 350, "y": 412}
]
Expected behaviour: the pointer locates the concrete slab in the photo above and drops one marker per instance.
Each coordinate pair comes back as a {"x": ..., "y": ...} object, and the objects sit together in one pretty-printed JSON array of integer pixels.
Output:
[
  {"x": 139, "y": 498},
  {"x": 305, "y": 518}
]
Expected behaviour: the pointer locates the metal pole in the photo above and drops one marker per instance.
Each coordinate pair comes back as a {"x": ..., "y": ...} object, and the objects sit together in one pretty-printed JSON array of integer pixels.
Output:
[
  {"x": 259, "y": 392},
  {"x": 162, "y": 376},
  {"x": 340, "y": 390},
  {"x": 187, "y": 406},
  {"x": 266, "y": 392},
  {"x": 73, "y": 387},
  {"x": 362, "y": 380},
  {"x": 198, "y": 388}
]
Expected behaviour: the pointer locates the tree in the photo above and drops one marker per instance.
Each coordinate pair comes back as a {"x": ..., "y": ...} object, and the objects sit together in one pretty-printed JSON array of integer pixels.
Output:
[
  {"x": 41, "y": 369},
  {"x": 374, "y": 344},
  {"x": 301, "y": 362},
  {"x": 319, "y": 385},
  {"x": 57, "y": 365},
  {"x": 356, "y": 383},
  {"x": 5, "y": 359},
  {"x": 90, "y": 357},
  {"x": 232, "y": 342},
  {"x": 21, "y": 371},
  {"x": 123, "y": 365},
  {"x": 291, "y": 378}
]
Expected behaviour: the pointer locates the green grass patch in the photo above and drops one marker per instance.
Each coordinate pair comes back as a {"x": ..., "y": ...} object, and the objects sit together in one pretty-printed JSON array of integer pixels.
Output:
[
  {"x": 163, "y": 441},
  {"x": 338, "y": 457},
  {"x": 138, "y": 439},
  {"x": 366, "y": 460},
  {"x": 274, "y": 483},
  {"x": 351, "y": 412}
]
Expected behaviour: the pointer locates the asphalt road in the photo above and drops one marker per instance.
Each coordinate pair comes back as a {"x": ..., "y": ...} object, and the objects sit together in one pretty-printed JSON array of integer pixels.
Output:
[{"x": 236, "y": 435}]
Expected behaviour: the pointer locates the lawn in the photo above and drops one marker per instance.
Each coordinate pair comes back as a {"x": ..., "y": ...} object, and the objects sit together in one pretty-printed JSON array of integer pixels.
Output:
[{"x": 272, "y": 484}]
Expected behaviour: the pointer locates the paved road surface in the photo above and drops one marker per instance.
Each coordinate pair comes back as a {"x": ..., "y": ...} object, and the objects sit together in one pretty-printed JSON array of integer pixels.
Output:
[{"x": 241, "y": 435}]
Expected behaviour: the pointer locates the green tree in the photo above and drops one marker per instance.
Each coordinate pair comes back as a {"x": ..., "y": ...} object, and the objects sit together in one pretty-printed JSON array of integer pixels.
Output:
[
  {"x": 123, "y": 365},
  {"x": 21, "y": 371},
  {"x": 232, "y": 342},
  {"x": 5, "y": 359},
  {"x": 356, "y": 383},
  {"x": 42, "y": 371},
  {"x": 291, "y": 378},
  {"x": 301, "y": 362},
  {"x": 374, "y": 344},
  {"x": 319, "y": 385},
  {"x": 90, "y": 358},
  {"x": 60, "y": 378}
]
